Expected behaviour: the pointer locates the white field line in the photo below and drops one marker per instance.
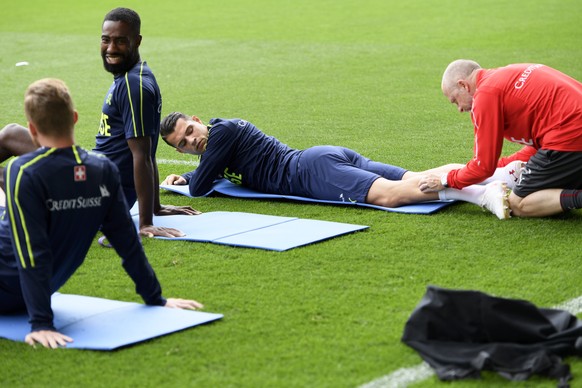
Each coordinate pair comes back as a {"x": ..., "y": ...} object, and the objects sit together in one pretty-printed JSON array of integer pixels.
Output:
[
  {"x": 573, "y": 306},
  {"x": 402, "y": 377},
  {"x": 192, "y": 163}
]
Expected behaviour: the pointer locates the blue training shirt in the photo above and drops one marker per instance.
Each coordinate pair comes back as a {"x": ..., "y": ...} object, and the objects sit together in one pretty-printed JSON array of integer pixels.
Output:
[
  {"x": 56, "y": 201},
  {"x": 231, "y": 152},
  {"x": 132, "y": 108}
]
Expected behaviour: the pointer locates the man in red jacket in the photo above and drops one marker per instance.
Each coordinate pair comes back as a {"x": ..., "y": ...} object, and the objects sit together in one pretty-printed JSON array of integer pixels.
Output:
[{"x": 529, "y": 104}]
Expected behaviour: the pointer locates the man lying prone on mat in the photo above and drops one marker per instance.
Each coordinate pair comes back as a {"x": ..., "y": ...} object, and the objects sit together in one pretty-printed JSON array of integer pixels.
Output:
[
  {"x": 238, "y": 151},
  {"x": 57, "y": 198}
]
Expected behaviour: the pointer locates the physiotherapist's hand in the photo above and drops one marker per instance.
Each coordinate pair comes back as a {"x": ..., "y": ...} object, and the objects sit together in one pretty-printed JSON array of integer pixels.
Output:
[
  {"x": 151, "y": 231},
  {"x": 47, "y": 338},
  {"x": 430, "y": 183},
  {"x": 185, "y": 304},
  {"x": 170, "y": 210},
  {"x": 174, "y": 179}
]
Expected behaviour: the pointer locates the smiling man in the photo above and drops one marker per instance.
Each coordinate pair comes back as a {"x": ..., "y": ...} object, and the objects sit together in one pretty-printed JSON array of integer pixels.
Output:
[{"x": 130, "y": 120}]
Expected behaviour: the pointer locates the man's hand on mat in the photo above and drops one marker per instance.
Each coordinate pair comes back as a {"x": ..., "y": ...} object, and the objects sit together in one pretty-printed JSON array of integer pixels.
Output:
[
  {"x": 186, "y": 304},
  {"x": 174, "y": 179},
  {"x": 151, "y": 231},
  {"x": 47, "y": 338},
  {"x": 170, "y": 210}
]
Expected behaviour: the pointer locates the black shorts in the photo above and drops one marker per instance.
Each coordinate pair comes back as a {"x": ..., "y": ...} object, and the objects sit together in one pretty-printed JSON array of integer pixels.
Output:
[
  {"x": 11, "y": 300},
  {"x": 549, "y": 169}
]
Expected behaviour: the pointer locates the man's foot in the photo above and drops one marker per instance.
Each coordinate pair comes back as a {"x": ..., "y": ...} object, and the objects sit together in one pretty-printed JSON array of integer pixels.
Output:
[
  {"x": 495, "y": 199},
  {"x": 513, "y": 173}
]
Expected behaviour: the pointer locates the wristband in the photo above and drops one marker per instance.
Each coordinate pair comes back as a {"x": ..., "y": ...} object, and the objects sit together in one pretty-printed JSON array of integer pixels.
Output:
[{"x": 444, "y": 181}]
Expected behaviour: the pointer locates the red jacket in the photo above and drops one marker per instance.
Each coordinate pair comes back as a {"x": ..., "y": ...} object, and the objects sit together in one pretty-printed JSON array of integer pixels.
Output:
[{"x": 529, "y": 104}]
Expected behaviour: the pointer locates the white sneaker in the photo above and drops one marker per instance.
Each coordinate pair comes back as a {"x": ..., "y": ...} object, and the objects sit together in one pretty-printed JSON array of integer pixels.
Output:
[
  {"x": 513, "y": 173},
  {"x": 495, "y": 199}
]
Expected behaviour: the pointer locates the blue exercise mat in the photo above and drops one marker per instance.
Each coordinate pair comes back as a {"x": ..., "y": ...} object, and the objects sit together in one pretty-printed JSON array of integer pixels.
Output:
[
  {"x": 103, "y": 324},
  {"x": 225, "y": 187},
  {"x": 252, "y": 230}
]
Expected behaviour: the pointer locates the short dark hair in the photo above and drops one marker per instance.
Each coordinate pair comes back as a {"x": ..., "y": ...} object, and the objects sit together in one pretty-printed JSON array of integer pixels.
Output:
[
  {"x": 168, "y": 124},
  {"x": 126, "y": 15}
]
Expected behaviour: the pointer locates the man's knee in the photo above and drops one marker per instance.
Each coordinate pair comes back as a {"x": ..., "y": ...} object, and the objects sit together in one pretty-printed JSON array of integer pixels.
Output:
[
  {"x": 520, "y": 206},
  {"x": 387, "y": 201},
  {"x": 388, "y": 193},
  {"x": 515, "y": 203},
  {"x": 15, "y": 140},
  {"x": 13, "y": 129}
]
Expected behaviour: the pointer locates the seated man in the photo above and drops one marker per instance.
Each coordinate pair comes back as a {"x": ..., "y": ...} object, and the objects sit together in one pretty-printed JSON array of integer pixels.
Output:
[
  {"x": 238, "y": 151},
  {"x": 57, "y": 198},
  {"x": 15, "y": 140}
]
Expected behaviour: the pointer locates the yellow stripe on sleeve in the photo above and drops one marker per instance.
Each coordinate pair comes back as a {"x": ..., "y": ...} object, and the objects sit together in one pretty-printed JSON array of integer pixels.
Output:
[
  {"x": 77, "y": 156},
  {"x": 130, "y": 105},
  {"x": 18, "y": 207},
  {"x": 141, "y": 97},
  {"x": 10, "y": 212}
]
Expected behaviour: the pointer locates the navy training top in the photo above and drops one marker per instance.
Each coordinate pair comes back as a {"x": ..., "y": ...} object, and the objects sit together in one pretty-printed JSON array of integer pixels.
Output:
[
  {"x": 56, "y": 201},
  {"x": 132, "y": 108},
  {"x": 231, "y": 153}
]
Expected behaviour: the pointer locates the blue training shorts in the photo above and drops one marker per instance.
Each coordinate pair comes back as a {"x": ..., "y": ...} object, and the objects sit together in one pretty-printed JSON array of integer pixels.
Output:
[{"x": 339, "y": 174}]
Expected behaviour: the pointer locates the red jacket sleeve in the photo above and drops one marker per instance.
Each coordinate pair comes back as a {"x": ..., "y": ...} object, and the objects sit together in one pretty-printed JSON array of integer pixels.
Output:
[
  {"x": 523, "y": 154},
  {"x": 487, "y": 117}
]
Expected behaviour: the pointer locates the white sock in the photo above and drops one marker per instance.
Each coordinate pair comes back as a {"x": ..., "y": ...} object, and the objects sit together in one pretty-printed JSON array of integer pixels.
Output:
[
  {"x": 508, "y": 174},
  {"x": 498, "y": 175},
  {"x": 471, "y": 194}
]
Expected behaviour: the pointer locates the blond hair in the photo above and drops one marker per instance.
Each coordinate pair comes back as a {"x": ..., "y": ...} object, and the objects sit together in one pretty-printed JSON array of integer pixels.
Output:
[{"x": 48, "y": 104}]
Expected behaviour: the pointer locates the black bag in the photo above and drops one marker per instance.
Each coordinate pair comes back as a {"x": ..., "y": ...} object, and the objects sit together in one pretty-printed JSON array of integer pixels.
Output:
[{"x": 460, "y": 333}]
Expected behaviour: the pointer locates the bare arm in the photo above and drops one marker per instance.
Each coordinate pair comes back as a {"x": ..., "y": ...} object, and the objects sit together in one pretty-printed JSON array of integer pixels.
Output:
[
  {"x": 143, "y": 176},
  {"x": 157, "y": 206}
]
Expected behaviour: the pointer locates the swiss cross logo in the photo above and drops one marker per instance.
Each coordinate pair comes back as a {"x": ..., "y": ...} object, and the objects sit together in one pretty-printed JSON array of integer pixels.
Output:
[{"x": 80, "y": 174}]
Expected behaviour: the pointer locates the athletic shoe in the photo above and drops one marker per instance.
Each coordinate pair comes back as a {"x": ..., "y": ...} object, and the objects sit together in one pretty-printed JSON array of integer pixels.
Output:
[
  {"x": 513, "y": 173},
  {"x": 495, "y": 199},
  {"x": 104, "y": 243}
]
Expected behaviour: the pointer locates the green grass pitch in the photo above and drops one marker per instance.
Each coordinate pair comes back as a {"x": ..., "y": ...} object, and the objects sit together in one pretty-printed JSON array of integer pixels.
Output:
[{"x": 364, "y": 74}]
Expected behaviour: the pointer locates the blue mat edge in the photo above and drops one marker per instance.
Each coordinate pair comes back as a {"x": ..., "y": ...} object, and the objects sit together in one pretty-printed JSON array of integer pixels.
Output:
[
  {"x": 428, "y": 207},
  {"x": 227, "y": 239},
  {"x": 21, "y": 320},
  {"x": 354, "y": 228}
]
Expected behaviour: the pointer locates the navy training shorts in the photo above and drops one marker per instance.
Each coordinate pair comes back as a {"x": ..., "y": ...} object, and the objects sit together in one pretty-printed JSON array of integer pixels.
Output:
[{"x": 339, "y": 174}]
